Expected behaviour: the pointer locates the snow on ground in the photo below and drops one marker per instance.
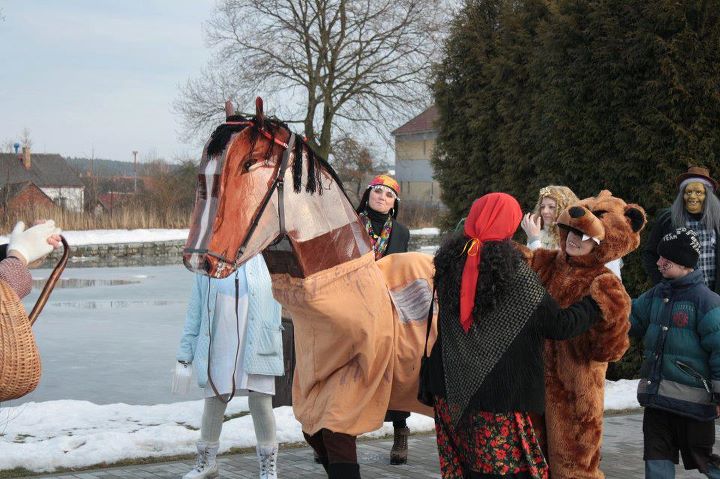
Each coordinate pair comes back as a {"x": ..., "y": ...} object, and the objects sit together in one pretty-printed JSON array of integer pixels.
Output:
[
  {"x": 425, "y": 232},
  {"x": 119, "y": 236},
  {"x": 75, "y": 434},
  {"x": 620, "y": 395}
]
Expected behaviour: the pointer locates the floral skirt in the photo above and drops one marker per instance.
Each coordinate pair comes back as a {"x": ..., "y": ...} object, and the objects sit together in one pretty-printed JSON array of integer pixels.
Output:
[{"x": 499, "y": 444}]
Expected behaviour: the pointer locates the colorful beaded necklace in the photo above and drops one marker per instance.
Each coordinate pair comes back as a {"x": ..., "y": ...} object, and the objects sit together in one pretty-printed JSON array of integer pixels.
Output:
[{"x": 379, "y": 242}]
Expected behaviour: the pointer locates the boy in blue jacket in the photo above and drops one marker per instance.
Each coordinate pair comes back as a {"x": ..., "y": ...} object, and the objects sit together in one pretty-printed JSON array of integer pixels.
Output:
[{"x": 679, "y": 321}]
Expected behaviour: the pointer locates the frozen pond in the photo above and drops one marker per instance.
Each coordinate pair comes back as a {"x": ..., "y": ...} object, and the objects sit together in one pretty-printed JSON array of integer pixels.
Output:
[{"x": 109, "y": 335}]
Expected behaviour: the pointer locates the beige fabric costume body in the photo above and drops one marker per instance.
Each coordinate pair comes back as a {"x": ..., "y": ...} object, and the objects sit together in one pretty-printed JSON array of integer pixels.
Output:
[{"x": 356, "y": 354}]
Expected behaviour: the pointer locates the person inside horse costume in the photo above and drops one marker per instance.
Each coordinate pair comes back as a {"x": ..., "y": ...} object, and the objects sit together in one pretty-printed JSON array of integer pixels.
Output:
[
  {"x": 378, "y": 209},
  {"x": 360, "y": 324}
]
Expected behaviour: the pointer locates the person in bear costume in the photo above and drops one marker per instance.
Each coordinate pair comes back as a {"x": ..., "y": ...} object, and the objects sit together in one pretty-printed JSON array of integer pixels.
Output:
[{"x": 575, "y": 369}]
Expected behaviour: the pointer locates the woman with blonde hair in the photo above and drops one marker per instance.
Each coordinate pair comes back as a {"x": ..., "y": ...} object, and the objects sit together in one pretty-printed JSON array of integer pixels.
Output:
[{"x": 540, "y": 226}]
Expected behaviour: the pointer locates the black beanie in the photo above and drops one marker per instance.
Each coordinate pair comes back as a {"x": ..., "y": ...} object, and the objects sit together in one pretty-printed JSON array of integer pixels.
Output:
[{"x": 681, "y": 247}]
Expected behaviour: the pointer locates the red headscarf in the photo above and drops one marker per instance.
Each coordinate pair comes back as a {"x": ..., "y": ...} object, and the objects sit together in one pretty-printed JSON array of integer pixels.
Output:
[{"x": 493, "y": 217}]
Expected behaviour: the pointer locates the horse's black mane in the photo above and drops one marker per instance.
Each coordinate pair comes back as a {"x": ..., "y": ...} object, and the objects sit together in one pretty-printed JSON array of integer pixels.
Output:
[{"x": 222, "y": 134}]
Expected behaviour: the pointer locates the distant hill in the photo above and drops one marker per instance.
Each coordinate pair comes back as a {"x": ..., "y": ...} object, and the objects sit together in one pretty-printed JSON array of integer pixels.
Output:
[
  {"x": 102, "y": 167},
  {"x": 107, "y": 167}
]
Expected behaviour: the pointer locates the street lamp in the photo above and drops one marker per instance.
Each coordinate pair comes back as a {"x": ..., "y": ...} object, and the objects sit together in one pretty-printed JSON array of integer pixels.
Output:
[{"x": 135, "y": 167}]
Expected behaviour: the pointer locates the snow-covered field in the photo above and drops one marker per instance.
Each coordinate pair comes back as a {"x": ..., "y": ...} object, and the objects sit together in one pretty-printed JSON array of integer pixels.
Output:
[
  {"x": 119, "y": 236},
  {"x": 90, "y": 320},
  {"x": 150, "y": 235},
  {"x": 79, "y": 433}
]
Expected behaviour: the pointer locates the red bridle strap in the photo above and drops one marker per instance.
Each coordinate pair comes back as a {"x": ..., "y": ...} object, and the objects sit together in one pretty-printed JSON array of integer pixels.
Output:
[{"x": 265, "y": 133}]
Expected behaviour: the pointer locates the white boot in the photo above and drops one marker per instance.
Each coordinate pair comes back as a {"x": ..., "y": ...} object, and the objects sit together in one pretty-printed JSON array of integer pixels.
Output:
[
  {"x": 205, "y": 464},
  {"x": 267, "y": 457}
]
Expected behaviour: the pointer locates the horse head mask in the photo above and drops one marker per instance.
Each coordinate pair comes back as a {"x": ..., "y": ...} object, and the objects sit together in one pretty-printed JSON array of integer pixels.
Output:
[{"x": 242, "y": 205}]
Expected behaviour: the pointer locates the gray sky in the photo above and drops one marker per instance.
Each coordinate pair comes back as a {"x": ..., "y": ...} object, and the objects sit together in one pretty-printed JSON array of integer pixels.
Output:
[{"x": 102, "y": 74}]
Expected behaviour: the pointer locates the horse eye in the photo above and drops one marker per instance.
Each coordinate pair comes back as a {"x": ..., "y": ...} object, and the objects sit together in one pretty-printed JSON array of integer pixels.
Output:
[{"x": 248, "y": 164}]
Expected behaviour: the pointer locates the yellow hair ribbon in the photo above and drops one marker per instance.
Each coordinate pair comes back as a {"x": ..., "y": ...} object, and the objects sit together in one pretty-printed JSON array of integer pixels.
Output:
[{"x": 472, "y": 247}]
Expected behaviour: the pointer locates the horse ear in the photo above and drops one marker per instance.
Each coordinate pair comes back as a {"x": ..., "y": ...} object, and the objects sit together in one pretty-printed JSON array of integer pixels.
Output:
[
  {"x": 259, "y": 115},
  {"x": 229, "y": 109}
]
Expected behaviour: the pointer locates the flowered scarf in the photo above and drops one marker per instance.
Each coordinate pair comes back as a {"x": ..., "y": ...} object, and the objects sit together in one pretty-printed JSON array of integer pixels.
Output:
[{"x": 379, "y": 242}]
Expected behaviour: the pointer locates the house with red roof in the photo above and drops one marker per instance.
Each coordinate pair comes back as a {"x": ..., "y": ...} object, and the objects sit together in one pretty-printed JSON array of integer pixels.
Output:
[{"x": 39, "y": 179}]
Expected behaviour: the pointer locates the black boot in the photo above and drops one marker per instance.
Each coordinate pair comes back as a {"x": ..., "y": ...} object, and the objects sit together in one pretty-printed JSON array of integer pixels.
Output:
[
  {"x": 399, "y": 451},
  {"x": 344, "y": 470}
]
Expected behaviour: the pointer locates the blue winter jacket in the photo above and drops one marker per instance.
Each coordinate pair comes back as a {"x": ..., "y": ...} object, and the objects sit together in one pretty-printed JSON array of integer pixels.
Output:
[
  {"x": 680, "y": 322},
  {"x": 263, "y": 347}
]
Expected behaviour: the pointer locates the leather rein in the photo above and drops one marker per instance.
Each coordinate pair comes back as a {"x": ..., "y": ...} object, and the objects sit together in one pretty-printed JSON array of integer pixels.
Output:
[{"x": 279, "y": 185}]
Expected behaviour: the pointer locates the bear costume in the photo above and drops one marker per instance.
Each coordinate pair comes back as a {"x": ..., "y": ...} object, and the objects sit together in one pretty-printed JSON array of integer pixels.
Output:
[{"x": 575, "y": 369}]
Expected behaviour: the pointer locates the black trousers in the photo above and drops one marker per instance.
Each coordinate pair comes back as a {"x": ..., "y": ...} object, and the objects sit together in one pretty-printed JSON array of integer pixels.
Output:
[
  {"x": 397, "y": 418},
  {"x": 333, "y": 447},
  {"x": 667, "y": 435}
]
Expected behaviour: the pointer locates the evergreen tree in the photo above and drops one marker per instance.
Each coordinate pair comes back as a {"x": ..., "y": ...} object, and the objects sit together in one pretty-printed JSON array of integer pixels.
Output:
[
  {"x": 612, "y": 94},
  {"x": 466, "y": 107},
  {"x": 592, "y": 94}
]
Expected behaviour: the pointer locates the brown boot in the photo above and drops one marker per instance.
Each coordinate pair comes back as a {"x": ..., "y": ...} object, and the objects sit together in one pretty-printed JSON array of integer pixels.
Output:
[{"x": 399, "y": 451}]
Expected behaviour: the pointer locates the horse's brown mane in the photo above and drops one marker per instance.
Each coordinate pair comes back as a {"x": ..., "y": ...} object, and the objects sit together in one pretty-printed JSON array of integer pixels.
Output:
[{"x": 220, "y": 138}]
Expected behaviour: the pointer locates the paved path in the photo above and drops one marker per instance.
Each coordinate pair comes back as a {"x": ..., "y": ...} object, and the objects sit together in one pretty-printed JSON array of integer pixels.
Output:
[{"x": 622, "y": 459}]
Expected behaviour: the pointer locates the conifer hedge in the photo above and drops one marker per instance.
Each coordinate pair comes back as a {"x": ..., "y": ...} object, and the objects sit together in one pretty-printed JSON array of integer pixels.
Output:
[{"x": 615, "y": 94}]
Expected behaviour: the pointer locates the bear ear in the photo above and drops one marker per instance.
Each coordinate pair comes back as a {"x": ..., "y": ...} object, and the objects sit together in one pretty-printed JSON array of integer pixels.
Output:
[{"x": 637, "y": 217}]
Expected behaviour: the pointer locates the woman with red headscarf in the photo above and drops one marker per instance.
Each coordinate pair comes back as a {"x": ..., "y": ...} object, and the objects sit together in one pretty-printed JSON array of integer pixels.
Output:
[{"x": 487, "y": 366}]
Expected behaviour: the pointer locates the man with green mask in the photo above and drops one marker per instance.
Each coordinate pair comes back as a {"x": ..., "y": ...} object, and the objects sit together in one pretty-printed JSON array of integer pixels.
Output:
[{"x": 696, "y": 207}]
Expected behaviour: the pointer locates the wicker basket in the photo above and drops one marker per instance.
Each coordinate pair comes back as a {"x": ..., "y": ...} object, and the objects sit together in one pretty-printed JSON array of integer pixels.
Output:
[{"x": 19, "y": 357}]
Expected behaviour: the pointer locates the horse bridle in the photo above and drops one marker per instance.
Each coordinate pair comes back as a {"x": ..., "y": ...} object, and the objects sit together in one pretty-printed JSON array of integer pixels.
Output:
[{"x": 279, "y": 185}]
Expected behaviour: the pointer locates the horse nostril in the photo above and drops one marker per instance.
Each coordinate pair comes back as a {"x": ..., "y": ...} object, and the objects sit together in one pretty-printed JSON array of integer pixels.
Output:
[{"x": 576, "y": 212}]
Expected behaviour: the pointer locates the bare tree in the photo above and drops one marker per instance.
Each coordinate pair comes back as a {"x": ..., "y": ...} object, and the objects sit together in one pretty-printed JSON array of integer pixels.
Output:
[
  {"x": 25, "y": 140},
  {"x": 355, "y": 164},
  {"x": 330, "y": 63},
  {"x": 7, "y": 146}
]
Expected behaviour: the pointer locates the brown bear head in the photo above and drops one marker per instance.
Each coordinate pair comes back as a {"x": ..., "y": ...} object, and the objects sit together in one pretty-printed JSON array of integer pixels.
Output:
[{"x": 610, "y": 220}]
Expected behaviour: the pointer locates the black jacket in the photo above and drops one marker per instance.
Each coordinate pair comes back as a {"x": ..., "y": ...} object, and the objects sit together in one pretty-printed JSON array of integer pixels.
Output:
[
  {"x": 399, "y": 239},
  {"x": 663, "y": 226},
  {"x": 3, "y": 251},
  {"x": 399, "y": 236},
  {"x": 517, "y": 382}
]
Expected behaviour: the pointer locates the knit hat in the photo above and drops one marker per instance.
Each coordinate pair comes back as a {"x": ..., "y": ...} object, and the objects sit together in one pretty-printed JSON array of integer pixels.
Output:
[{"x": 681, "y": 247}]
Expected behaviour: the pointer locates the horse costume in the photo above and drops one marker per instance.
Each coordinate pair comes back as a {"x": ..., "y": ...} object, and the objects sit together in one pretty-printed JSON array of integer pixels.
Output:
[{"x": 359, "y": 324}]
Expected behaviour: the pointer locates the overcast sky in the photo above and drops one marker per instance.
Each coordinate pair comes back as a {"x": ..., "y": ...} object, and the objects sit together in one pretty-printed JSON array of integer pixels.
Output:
[{"x": 99, "y": 74}]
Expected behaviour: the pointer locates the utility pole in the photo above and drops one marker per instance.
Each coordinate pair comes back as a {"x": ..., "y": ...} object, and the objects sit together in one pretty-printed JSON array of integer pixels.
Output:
[
  {"x": 135, "y": 167},
  {"x": 93, "y": 185}
]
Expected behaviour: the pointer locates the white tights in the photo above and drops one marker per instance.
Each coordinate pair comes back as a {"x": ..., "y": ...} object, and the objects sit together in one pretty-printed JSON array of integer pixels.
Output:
[{"x": 260, "y": 410}]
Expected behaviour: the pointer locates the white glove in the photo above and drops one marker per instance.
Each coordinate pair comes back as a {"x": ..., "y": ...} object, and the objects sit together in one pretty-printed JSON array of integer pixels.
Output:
[{"x": 32, "y": 243}]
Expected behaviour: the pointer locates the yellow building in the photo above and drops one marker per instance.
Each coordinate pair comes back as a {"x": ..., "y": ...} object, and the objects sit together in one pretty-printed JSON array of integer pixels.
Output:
[{"x": 414, "y": 144}]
